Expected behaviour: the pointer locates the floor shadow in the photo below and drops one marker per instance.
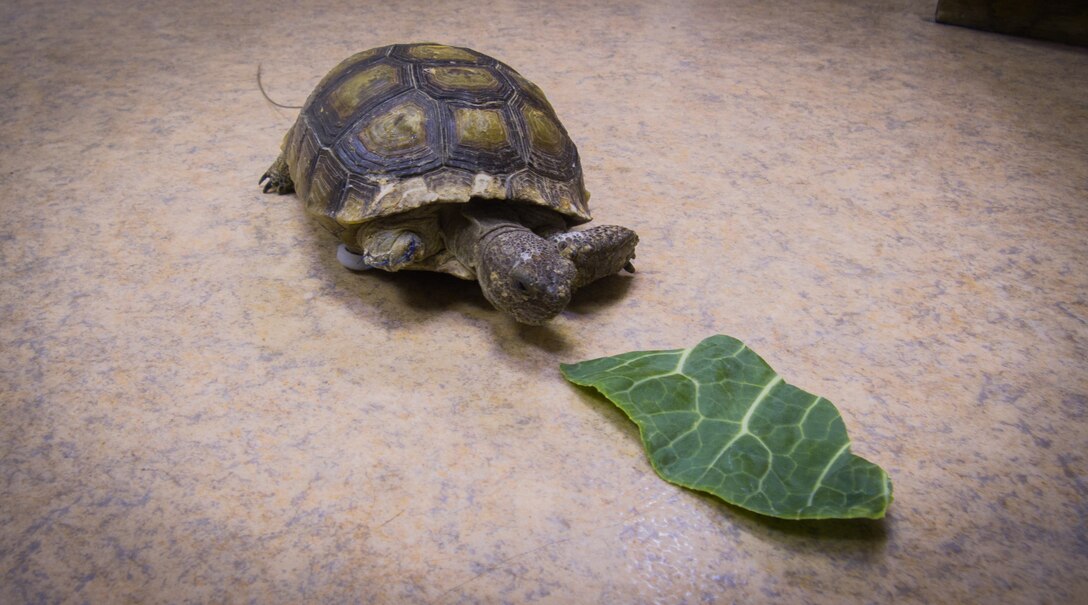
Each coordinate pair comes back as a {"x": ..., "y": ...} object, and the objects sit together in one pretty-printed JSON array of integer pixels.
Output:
[
  {"x": 872, "y": 532},
  {"x": 400, "y": 296},
  {"x": 609, "y": 412},
  {"x": 421, "y": 296},
  {"x": 546, "y": 337},
  {"x": 427, "y": 292},
  {"x": 602, "y": 293}
]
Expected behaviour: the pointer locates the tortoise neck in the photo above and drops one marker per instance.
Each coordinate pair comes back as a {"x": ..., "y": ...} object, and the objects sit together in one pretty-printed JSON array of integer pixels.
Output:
[{"x": 471, "y": 228}]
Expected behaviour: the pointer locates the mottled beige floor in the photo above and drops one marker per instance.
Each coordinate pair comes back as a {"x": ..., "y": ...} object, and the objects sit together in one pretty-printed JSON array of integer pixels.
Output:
[{"x": 199, "y": 404}]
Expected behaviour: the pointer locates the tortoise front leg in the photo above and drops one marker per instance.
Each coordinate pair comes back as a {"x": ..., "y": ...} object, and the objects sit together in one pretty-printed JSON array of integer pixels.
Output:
[
  {"x": 278, "y": 176},
  {"x": 391, "y": 249},
  {"x": 597, "y": 252}
]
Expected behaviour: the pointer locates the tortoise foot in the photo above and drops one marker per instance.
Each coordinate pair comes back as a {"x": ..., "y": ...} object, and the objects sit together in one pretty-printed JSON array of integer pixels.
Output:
[
  {"x": 277, "y": 178},
  {"x": 393, "y": 249}
]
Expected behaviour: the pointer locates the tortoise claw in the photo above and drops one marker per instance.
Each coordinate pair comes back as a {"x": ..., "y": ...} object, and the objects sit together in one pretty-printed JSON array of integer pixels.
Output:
[
  {"x": 628, "y": 267},
  {"x": 277, "y": 183},
  {"x": 277, "y": 178}
]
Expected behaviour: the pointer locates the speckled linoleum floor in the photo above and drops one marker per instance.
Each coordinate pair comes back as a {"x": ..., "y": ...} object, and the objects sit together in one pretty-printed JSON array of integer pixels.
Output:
[{"x": 198, "y": 404}]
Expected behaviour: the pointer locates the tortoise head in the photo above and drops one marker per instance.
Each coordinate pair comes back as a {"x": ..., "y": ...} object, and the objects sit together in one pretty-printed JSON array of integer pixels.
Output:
[{"x": 524, "y": 275}]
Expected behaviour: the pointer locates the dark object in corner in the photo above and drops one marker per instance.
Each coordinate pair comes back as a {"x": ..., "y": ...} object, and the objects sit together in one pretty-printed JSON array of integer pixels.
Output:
[{"x": 1056, "y": 20}]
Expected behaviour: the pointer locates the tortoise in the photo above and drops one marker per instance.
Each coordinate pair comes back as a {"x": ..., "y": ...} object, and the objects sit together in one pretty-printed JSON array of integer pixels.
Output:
[{"x": 433, "y": 157}]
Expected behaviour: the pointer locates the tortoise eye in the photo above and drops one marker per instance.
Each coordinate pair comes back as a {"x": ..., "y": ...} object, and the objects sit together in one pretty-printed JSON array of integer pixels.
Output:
[{"x": 521, "y": 286}]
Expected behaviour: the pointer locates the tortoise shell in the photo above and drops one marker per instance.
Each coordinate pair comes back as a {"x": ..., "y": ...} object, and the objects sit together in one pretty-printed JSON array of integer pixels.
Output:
[{"x": 393, "y": 129}]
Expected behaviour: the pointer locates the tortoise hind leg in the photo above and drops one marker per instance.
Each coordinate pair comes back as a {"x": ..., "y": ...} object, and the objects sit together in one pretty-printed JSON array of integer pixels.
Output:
[
  {"x": 597, "y": 252},
  {"x": 278, "y": 177}
]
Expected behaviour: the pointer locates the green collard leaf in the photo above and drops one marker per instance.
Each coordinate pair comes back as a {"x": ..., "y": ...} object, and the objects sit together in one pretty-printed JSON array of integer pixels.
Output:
[{"x": 718, "y": 419}]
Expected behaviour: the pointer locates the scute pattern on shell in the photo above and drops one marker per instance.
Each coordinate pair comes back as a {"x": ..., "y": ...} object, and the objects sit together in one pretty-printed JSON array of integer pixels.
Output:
[{"x": 395, "y": 128}]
